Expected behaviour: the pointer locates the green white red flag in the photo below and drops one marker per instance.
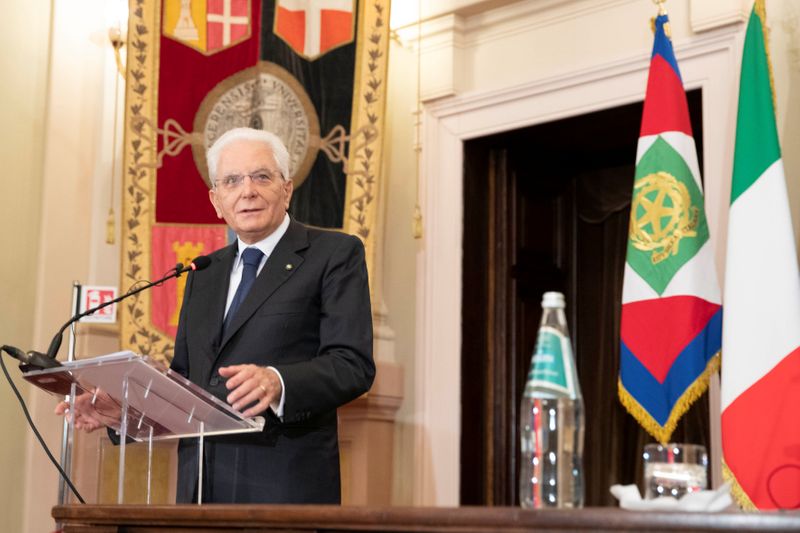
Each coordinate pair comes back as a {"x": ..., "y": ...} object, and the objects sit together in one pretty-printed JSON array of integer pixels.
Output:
[{"x": 761, "y": 332}]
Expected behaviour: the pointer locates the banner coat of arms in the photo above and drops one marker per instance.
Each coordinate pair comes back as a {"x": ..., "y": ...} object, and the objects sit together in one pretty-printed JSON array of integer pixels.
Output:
[{"x": 311, "y": 71}]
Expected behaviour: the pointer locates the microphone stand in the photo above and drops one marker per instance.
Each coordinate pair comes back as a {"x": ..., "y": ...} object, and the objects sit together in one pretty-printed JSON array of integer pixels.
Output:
[
  {"x": 55, "y": 344},
  {"x": 68, "y": 429},
  {"x": 36, "y": 360}
]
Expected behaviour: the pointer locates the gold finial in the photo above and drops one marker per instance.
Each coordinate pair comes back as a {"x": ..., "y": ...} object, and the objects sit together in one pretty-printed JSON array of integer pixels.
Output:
[{"x": 662, "y": 11}]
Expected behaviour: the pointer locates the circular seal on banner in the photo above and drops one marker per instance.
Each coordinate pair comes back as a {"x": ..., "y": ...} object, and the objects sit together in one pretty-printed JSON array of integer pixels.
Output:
[{"x": 266, "y": 97}]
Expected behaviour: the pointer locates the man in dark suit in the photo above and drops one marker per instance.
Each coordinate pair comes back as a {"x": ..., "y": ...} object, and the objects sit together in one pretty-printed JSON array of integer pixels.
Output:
[
  {"x": 297, "y": 345},
  {"x": 278, "y": 325}
]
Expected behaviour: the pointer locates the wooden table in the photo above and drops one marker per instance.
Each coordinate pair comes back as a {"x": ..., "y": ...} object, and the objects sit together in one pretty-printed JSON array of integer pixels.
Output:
[{"x": 296, "y": 518}]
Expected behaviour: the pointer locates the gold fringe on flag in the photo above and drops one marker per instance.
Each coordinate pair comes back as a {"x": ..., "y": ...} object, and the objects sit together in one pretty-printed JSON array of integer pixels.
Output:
[
  {"x": 689, "y": 396},
  {"x": 737, "y": 491},
  {"x": 760, "y": 9}
]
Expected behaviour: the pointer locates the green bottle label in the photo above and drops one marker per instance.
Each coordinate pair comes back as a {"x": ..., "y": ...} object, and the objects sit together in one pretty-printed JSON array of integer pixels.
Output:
[{"x": 549, "y": 363}]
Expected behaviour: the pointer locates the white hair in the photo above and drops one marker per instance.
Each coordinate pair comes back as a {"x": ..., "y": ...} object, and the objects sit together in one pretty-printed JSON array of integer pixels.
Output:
[{"x": 279, "y": 151}]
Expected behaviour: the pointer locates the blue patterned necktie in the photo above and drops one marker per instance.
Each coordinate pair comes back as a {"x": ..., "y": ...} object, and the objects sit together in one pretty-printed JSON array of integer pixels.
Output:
[{"x": 251, "y": 257}]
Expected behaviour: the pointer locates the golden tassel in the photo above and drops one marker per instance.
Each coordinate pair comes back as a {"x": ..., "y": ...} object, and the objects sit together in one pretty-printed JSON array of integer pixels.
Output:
[{"x": 110, "y": 227}]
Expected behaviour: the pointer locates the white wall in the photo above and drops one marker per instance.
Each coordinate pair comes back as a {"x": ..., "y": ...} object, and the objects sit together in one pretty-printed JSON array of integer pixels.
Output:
[
  {"x": 75, "y": 165},
  {"x": 784, "y": 22},
  {"x": 24, "y": 37},
  {"x": 399, "y": 266}
]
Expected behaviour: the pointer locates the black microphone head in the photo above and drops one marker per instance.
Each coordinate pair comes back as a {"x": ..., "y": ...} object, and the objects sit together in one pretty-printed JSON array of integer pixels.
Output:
[
  {"x": 40, "y": 360},
  {"x": 30, "y": 360},
  {"x": 16, "y": 353},
  {"x": 200, "y": 262}
]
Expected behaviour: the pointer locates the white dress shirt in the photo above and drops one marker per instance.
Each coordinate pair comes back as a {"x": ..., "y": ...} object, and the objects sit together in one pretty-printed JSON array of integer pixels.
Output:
[{"x": 267, "y": 245}]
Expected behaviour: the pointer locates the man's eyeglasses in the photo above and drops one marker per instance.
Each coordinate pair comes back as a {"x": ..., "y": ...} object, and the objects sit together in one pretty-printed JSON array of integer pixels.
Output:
[{"x": 234, "y": 181}]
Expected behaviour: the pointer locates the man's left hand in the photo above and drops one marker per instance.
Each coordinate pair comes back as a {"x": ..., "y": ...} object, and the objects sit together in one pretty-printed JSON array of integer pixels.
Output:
[
  {"x": 91, "y": 410},
  {"x": 255, "y": 386}
]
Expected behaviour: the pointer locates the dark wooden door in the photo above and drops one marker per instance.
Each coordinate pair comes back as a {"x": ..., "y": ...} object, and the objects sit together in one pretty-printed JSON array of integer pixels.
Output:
[{"x": 546, "y": 208}]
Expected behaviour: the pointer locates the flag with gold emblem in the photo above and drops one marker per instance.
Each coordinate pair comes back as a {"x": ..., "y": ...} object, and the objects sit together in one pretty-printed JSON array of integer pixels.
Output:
[{"x": 671, "y": 312}]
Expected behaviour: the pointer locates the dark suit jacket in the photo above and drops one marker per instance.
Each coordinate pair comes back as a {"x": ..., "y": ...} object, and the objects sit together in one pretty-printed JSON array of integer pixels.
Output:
[{"x": 308, "y": 315}]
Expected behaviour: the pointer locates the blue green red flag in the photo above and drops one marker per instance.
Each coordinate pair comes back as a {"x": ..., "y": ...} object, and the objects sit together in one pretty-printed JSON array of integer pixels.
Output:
[{"x": 671, "y": 323}]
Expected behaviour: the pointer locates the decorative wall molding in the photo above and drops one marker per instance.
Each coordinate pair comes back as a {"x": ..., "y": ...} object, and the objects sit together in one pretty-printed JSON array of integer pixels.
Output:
[
  {"x": 442, "y": 54},
  {"x": 383, "y": 334},
  {"x": 472, "y": 103},
  {"x": 442, "y": 57},
  {"x": 445, "y": 36},
  {"x": 484, "y": 15},
  {"x": 525, "y": 17},
  {"x": 710, "y": 14},
  {"x": 708, "y": 62}
]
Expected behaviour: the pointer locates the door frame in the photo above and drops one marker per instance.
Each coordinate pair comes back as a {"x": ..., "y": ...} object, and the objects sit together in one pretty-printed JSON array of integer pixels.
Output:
[{"x": 709, "y": 62}]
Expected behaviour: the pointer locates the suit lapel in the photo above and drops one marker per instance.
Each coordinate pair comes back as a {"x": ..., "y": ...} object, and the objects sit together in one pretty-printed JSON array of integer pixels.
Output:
[{"x": 280, "y": 266}]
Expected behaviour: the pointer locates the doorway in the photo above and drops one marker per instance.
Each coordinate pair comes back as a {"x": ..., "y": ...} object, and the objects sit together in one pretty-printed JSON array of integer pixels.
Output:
[{"x": 546, "y": 208}]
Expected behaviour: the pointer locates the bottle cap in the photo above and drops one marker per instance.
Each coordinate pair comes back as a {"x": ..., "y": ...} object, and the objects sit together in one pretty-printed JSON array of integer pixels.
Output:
[{"x": 553, "y": 300}]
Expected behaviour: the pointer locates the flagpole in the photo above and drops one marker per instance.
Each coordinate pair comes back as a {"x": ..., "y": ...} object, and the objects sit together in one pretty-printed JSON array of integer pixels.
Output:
[
  {"x": 662, "y": 12},
  {"x": 714, "y": 402},
  {"x": 714, "y": 397}
]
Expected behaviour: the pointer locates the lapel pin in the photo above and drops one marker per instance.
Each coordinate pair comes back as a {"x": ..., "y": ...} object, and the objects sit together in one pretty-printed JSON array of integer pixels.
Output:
[{"x": 289, "y": 266}]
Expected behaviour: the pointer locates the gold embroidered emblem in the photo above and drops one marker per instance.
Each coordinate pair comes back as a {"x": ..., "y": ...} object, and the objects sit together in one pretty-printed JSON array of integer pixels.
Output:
[{"x": 661, "y": 215}]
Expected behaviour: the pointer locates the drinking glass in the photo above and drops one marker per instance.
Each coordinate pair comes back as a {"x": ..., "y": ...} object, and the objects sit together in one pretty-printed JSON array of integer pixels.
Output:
[{"x": 674, "y": 469}]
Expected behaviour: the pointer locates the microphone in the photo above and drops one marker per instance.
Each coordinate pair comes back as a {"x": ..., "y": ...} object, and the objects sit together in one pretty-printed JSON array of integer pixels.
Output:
[
  {"x": 30, "y": 359},
  {"x": 199, "y": 263}
]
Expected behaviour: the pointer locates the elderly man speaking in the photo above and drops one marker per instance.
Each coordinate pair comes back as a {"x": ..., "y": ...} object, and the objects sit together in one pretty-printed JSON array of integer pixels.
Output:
[{"x": 279, "y": 324}]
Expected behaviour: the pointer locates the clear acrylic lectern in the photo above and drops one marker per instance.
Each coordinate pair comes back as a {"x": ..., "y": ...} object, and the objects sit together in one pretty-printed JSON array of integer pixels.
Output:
[{"x": 154, "y": 402}]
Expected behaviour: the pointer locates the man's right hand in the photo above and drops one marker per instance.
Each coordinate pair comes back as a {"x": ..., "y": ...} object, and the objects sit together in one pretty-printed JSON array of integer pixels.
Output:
[{"x": 89, "y": 415}]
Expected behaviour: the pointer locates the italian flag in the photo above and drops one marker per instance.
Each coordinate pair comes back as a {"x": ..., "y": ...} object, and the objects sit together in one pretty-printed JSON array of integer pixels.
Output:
[
  {"x": 671, "y": 324},
  {"x": 761, "y": 334}
]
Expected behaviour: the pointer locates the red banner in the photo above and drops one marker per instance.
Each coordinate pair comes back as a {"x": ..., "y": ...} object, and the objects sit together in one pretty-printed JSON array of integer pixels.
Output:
[
  {"x": 191, "y": 64},
  {"x": 172, "y": 245}
]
